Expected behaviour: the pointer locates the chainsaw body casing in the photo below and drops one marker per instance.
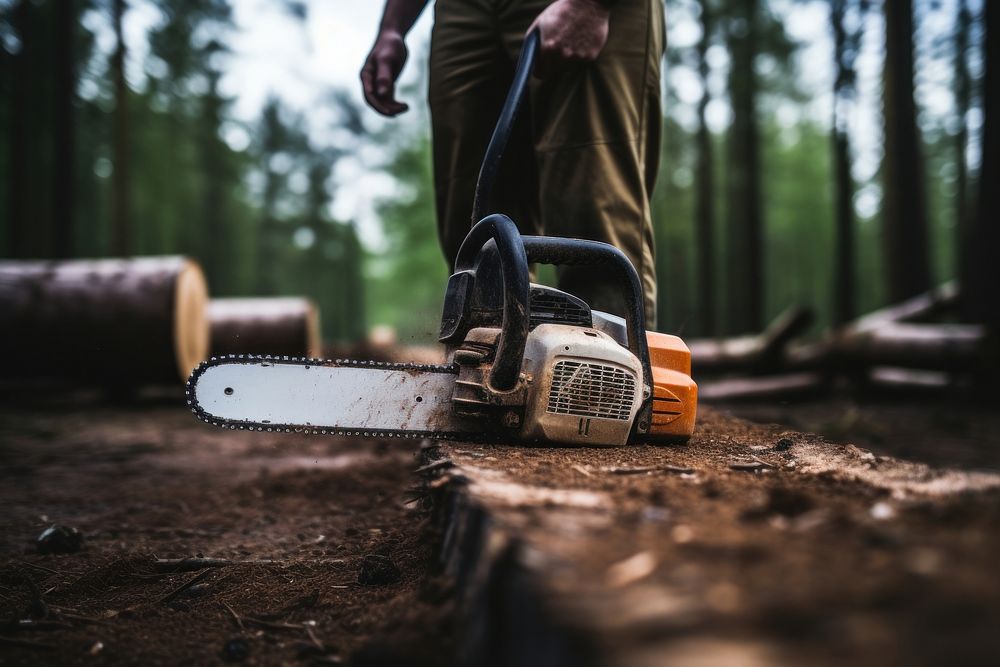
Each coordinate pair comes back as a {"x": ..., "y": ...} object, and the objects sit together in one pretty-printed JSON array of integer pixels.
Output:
[
  {"x": 577, "y": 386},
  {"x": 583, "y": 387}
]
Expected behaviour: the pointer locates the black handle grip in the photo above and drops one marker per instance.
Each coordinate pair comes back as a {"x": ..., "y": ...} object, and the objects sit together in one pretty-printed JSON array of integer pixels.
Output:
[
  {"x": 502, "y": 231},
  {"x": 504, "y": 126}
]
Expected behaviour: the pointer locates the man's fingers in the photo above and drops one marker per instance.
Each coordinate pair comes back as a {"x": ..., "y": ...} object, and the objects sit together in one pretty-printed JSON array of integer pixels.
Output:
[
  {"x": 378, "y": 92},
  {"x": 384, "y": 79}
]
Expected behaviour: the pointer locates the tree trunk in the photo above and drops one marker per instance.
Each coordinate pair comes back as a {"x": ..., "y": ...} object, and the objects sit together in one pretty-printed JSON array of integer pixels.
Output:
[
  {"x": 121, "y": 231},
  {"x": 103, "y": 321},
  {"x": 963, "y": 94},
  {"x": 904, "y": 196},
  {"x": 63, "y": 137},
  {"x": 983, "y": 304},
  {"x": 17, "y": 134},
  {"x": 280, "y": 326},
  {"x": 745, "y": 247},
  {"x": 705, "y": 195},
  {"x": 214, "y": 239},
  {"x": 844, "y": 262}
]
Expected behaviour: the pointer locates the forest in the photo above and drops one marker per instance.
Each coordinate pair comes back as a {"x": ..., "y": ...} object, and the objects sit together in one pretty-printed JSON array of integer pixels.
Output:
[
  {"x": 842, "y": 173},
  {"x": 807, "y": 472}
]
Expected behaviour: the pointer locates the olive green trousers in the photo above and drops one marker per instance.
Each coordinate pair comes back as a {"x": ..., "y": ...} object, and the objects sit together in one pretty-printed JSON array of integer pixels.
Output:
[{"x": 583, "y": 158}]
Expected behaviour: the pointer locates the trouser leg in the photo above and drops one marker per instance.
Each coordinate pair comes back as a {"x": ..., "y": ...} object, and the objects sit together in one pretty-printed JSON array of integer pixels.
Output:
[
  {"x": 595, "y": 129},
  {"x": 597, "y": 143},
  {"x": 470, "y": 73}
]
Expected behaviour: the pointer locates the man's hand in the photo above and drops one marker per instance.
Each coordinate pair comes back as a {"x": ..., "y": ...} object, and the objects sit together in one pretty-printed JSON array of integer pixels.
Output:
[
  {"x": 380, "y": 71},
  {"x": 572, "y": 32}
]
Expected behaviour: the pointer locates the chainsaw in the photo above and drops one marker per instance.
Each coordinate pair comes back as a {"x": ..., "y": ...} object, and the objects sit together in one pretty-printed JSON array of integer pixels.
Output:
[{"x": 526, "y": 362}]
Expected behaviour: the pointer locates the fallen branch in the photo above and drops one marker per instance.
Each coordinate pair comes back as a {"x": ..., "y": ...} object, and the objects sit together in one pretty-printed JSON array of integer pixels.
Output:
[
  {"x": 25, "y": 643},
  {"x": 920, "y": 307},
  {"x": 756, "y": 353},
  {"x": 174, "y": 565},
  {"x": 236, "y": 617}
]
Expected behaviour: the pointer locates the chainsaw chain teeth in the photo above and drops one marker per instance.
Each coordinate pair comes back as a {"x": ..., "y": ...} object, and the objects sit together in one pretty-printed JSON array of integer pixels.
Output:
[{"x": 340, "y": 432}]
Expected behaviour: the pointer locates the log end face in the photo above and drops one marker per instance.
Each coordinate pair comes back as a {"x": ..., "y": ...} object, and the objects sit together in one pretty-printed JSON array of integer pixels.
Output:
[{"x": 191, "y": 329}]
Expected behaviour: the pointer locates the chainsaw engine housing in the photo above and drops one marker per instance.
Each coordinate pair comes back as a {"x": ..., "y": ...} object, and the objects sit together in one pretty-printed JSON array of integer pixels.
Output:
[
  {"x": 584, "y": 388},
  {"x": 577, "y": 385}
]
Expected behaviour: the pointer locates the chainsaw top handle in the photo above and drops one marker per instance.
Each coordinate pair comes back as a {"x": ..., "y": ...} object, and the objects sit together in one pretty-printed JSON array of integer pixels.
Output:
[{"x": 504, "y": 126}]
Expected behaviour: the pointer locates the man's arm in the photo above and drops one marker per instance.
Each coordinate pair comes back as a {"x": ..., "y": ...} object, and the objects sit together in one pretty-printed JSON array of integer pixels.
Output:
[{"x": 388, "y": 55}]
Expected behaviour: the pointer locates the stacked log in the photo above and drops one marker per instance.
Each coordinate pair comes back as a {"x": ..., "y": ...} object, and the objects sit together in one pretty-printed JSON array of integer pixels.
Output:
[
  {"x": 287, "y": 326},
  {"x": 758, "y": 353},
  {"x": 901, "y": 341},
  {"x": 110, "y": 321}
]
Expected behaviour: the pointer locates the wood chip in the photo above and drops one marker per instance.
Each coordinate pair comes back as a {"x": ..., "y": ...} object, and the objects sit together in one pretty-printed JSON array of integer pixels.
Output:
[
  {"x": 632, "y": 569},
  {"x": 583, "y": 471},
  {"x": 641, "y": 470},
  {"x": 748, "y": 466},
  {"x": 271, "y": 625},
  {"x": 440, "y": 464}
]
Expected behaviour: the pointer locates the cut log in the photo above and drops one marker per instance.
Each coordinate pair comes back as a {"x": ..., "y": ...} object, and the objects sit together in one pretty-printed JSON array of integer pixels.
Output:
[
  {"x": 760, "y": 388},
  {"x": 138, "y": 321},
  {"x": 276, "y": 326},
  {"x": 920, "y": 308},
  {"x": 750, "y": 353},
  {"x": 945, "y": 347}
]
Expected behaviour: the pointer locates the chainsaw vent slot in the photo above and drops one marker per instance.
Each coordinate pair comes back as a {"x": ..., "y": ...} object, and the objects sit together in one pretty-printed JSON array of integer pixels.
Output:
[
  {"x": 548, "y": 308},
  {"x": 591, "y": 390}
]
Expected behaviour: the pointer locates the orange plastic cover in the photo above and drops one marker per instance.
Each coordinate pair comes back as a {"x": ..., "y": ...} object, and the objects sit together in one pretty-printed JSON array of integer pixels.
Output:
[{"x": 675, "y": 394}]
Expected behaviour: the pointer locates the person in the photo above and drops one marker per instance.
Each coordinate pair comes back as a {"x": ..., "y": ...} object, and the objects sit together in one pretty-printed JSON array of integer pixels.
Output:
[{"x": 584, "y": 156}]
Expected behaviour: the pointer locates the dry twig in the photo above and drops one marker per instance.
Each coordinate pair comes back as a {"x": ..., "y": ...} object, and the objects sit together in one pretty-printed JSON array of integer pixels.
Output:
[{"x": 183, "y": 587}]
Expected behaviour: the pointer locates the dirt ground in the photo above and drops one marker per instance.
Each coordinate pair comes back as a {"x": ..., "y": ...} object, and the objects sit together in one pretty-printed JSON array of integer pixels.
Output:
[
  {"x": 295, "y": 515},
  {"x": 936, "y": 428},
  {"x": 804, "y": 558}
]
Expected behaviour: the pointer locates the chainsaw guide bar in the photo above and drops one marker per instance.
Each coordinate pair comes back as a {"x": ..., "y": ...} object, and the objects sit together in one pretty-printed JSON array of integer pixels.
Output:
[{"x": 264, "y": 374}]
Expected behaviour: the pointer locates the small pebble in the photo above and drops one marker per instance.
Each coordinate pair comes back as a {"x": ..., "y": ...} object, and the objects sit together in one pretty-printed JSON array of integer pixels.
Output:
[
  {"x": 235, "y": 650},
  {"x": 682, "y": 534},
  {"x": 378, "y": 570},
  {"x": 783, "y": 444},
  {"x": 58, "y": 539},
  {"x": 882, "y": 511}
]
